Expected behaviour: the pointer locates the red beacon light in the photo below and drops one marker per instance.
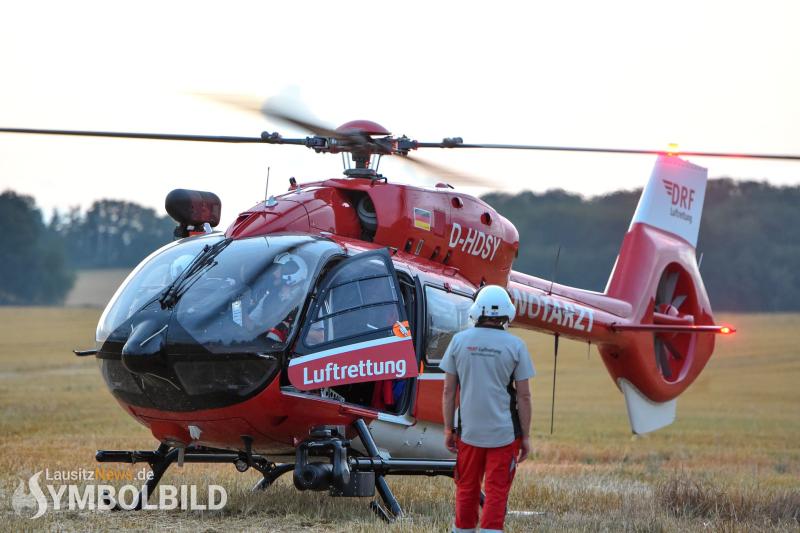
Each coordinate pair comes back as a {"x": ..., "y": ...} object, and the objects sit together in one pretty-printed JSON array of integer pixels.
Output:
[
  {"x": 727, "y": 330},
  {"x": 196, "y": 212}
]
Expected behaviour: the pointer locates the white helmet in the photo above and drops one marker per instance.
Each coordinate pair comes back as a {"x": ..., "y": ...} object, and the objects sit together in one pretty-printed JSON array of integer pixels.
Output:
[
  {"x": 492, "y": 301},
  {"x": 295, "y": 269}
]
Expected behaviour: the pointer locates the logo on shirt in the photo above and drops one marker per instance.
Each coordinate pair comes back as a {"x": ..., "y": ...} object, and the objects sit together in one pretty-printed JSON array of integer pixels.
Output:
[{"x": 483, "y": 351}]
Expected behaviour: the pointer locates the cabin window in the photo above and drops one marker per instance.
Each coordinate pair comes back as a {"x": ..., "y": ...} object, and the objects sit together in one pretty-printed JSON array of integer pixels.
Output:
[{"x": 447, "y": 314}]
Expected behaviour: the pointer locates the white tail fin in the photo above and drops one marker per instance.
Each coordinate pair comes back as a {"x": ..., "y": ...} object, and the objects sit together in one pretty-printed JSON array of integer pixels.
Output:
[
  {"x": 644, "y": 414},
  {"x": 673, "y": 198}
]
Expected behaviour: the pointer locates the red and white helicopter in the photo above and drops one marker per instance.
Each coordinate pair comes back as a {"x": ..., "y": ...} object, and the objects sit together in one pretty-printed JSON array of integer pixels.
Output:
[{"x": 307, "y": 336}]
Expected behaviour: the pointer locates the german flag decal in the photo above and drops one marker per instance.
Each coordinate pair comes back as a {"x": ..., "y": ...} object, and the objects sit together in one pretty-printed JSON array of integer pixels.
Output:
[
  {"x": 400, "y": 329},
  {"x": 423, "y": 219}
]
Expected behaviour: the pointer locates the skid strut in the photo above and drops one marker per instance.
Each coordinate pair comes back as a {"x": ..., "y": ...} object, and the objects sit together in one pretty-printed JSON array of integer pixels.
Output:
[
  {"x": 162, "y": 458},
  {"x": 380, "y": 482},
  {"x": 271, "y": 474},
  {"x": 345, "y": 474}
]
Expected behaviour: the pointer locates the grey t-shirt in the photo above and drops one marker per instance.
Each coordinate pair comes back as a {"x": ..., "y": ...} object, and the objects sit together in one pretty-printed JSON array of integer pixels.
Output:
[{"x": 487, "y": 361}]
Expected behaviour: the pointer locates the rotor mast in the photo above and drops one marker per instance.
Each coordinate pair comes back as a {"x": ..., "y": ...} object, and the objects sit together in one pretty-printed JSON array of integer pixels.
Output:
[{"x": 362, "y": 160}]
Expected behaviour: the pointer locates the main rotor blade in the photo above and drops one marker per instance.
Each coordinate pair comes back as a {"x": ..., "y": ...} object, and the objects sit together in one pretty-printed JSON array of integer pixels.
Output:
[
  {"x": 248, "y": 104},
  {"x": 447, "y": 174},
  {"x": 128, "y": 135},
  {"x": 787, "y": 157},
  {"x": 305, "y": 124},
  {"x": 264, "y": 108}
]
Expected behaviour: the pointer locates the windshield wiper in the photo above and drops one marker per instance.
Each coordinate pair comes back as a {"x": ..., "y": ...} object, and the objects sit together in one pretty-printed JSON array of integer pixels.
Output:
[{"x": 205, "y": 258}]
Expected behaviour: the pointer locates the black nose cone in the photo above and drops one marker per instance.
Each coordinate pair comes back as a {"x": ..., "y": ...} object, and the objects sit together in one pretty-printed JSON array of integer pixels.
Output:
[{"x": 152, "y": 361}]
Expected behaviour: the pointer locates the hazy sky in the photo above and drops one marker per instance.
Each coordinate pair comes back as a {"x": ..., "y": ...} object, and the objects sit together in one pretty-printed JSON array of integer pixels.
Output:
[{"x": 707, "y": 75}]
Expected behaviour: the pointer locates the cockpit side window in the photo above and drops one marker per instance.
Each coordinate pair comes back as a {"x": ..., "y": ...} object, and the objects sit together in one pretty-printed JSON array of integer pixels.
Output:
[
  {"x": 359, "y": 298},
  {"x": 447, "y": 314}
]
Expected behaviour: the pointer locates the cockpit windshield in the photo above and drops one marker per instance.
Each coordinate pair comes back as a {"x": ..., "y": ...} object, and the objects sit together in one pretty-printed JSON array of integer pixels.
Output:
[
  {"x": 149, "y": 279},
  {"x": 250, "y": 300},
  {"x": 247, "y": 300}
]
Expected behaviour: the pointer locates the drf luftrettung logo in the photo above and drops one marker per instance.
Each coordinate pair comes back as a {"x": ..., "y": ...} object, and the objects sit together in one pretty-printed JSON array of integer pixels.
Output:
[{"x": 682, "y": 197}]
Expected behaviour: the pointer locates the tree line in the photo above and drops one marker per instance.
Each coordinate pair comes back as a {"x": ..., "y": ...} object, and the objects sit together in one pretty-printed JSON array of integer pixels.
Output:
[
  {"x": 749, "y": 241},
  {"x": 40, "y": 257}
]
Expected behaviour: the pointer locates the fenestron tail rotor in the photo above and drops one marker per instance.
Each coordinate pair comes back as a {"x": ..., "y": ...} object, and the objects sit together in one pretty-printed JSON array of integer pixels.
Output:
[
  {"x": 671, "y": 307},
  {"x": 661, "y": 358},
  {"x": 666, "y": 288}
]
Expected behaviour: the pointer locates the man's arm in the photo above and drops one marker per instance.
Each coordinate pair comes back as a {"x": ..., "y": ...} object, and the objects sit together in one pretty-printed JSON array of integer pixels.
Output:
[
  {"x": 449, "y": 410},
  {"x": 524, "y": 410}
]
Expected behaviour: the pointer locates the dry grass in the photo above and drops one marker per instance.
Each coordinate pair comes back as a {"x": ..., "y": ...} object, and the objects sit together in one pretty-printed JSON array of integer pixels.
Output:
[
  {"x": 688, "y": 497},
  {"x": 94, "y": 288},
  {"x": 731, "y": 462}
]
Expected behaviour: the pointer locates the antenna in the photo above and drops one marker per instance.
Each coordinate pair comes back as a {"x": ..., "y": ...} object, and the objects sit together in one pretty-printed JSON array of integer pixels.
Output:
[
  {"x": 700, "y": 261},
  {"x": 555, "y": 271},
  {"x": 555, "y": 366},
  {"x": 266, "y": 187}
]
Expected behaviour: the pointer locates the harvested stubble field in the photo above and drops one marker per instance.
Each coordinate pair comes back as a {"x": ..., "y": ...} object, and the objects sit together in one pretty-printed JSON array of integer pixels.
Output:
[{"x": 731, "y": 461}]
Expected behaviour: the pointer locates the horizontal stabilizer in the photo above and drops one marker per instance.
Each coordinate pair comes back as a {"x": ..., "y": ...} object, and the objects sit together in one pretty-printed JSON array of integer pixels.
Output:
[
  {"x": 644, "y": 414},
  {"x": 669, "y": 328}
]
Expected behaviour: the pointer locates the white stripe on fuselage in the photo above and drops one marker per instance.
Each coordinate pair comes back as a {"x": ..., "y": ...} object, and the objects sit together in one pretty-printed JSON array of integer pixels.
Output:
[{"x": 348, "y": 348}]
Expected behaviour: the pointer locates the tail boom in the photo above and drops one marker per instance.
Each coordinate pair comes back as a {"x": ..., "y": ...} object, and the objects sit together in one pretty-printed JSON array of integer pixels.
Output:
[
  {"x": 653, "y": 325},
  {"x": 573, "y": 313}
]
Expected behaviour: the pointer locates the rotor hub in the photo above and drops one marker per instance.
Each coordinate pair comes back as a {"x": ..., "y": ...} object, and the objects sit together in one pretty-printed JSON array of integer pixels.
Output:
[
  {"x": 363, "y": 157},
  {"x": 365, "y": 127}
]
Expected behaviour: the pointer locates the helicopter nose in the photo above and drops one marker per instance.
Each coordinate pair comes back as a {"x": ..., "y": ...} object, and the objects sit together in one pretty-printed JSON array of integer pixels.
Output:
[{"x": 143, "y": 352}]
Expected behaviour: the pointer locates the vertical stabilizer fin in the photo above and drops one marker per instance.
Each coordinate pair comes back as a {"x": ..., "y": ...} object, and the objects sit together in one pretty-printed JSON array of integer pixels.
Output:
[
  {"x": 673, "y": 198},
  {"x": 644, "y": 414}
]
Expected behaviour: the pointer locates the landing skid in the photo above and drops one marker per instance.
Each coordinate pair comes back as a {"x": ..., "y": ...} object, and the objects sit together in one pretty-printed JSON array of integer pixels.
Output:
[
  {"x": 271, "y": 474},
  {"x": 165, "y": 456},
  {"x": 345, "y": 474}
]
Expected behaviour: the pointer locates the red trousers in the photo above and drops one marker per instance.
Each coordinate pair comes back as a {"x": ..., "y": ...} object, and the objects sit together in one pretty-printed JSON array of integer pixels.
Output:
[{"x": 498, "y": 465}]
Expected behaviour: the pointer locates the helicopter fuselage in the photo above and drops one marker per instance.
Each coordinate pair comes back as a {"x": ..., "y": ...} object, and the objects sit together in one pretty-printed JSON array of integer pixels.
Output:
[{"x": 210, "y": 368}]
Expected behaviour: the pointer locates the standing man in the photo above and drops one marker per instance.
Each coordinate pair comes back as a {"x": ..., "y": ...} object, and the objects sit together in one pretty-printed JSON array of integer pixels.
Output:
[{"x": 492, "y": 368}]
